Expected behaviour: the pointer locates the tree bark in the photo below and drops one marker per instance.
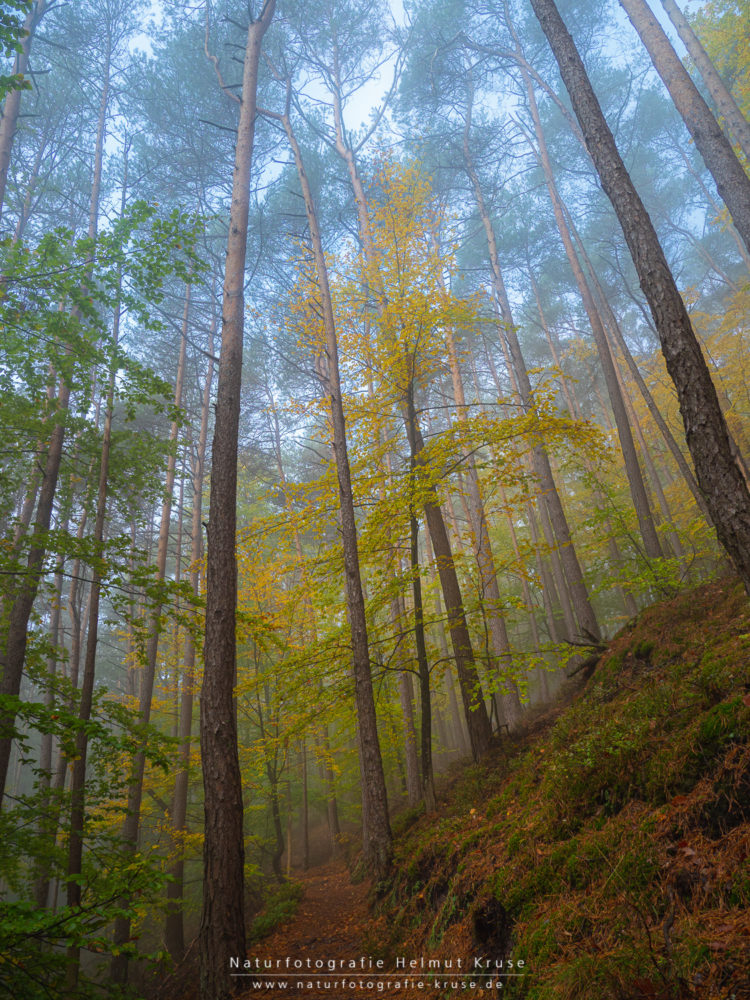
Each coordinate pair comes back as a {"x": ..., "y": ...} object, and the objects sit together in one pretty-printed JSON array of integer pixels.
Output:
[
  {"x": 377, "y": 846},
  {"x": 731, "y": 181},
  {"x": 12, "y": 105},
  {"x": 174, "y": 934},
  {"x": 717, "y": 471},
  {"x": 131, "y": 824},
  {"x": 222, "y": 926},
  {"x": 651, "y": 543},
  {"x": 720, "y": 94}
]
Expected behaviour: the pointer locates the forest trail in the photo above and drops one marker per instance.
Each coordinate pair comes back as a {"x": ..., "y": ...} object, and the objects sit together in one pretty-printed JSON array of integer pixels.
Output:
[{"x": 327, "y": 926}]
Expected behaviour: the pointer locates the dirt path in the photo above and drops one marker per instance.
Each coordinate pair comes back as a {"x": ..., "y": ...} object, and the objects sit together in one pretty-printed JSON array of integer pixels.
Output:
[{"x": 326, "y": 929}]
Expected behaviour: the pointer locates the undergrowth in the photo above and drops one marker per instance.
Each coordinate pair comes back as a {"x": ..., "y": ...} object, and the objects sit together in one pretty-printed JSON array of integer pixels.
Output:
[
  {"x": 279, "y": 907},
  {"x": 608, "y": 851}
]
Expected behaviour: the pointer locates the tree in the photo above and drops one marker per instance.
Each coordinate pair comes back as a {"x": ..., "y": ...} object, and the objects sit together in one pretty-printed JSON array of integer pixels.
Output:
[
  {"x": 377, "y": 831},
  {"x": 222, "y": 933},
  {"x": 15, "y": 38},
  {"x": 732, "y": 182},
  {"x": 720, "y": 94},
  {"x": 719, "y": 475}
]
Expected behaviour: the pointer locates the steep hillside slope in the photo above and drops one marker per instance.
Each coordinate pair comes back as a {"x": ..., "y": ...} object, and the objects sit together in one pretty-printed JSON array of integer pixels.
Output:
[{"x": 609, "y": 849}]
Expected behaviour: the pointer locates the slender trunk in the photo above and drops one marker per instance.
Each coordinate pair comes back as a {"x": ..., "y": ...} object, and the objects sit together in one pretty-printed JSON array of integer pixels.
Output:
[
  {"x": 45, "y": 827},
  {"x": 475, "y": 712},
  {"x": 78, "y": 775},
  {"x": 718, "y": 473},
  {"x": 377, "y": 846},
  {"x": 720, "y": 94},
  {"x": 730, "y": 178},
  {"x": 25, "y": 213},
  {"x": 428, "y": 785},
  {"x": 289, "y": 820},
  {"x": 131, "y": 825},
  {"x": 406, "y": 697},
  {"x": 638, "y": 494},
  {"x": 459, "y": 722},
  {"x": 222, "y": 927},
  {"x": 12, "y": 105},
  {"x": 491, "y": 600},
  {"x": 653, "y": 409},
  {"x": 174, "y": 933},
  {"x": 305, "y": 807},
  {"x": 551, "y": 498}
]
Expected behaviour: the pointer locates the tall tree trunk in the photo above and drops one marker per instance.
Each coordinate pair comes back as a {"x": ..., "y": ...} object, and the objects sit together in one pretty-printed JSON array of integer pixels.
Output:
[
  {"x": 305, "y": 818},
  {"x": 222, "y": 927},
  {"x": 720, "y": 94},
  {"x": 78, "y": 776},
  {"x": 377, "y": 845},
  {"x": 651, "y": 544},
  {"x": 562, "y": 541},
  {"x": 131, "y": 824},
  {"x": 491, "y": 600},
  {"x": 425, "y": 745},
  {"x": 731, "y": 181},
  {"x": 718, "y": 473},
  {"x": 45, "y": 826},
  {"x": 475, "y": 712},
  {"x": 406, "y": 697},
  {"x": 174, "y": 933},
  {"x": 12, "y": 104},
  {"x": 653, "y": 409}
]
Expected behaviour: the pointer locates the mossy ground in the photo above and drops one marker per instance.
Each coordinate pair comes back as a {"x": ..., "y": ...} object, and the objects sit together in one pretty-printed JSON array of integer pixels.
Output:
[{"x": 609, "y": 848}]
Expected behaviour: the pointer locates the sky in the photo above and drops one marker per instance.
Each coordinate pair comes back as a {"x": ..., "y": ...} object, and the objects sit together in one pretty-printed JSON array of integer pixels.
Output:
[{"x": 360, "y": 106}]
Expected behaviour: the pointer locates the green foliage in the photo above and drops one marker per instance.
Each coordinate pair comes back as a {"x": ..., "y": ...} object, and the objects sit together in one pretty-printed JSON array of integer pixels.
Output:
[
  {"x": 12, "y": 16},
  {"x": 34, "y": 940},
  {"x": 279, "y": 907}
]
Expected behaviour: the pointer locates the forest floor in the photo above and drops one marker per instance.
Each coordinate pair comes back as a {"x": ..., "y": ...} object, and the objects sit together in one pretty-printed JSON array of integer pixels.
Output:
[
  {"x": 603, "y": 854},
  {"x": 327, "y": 926}
]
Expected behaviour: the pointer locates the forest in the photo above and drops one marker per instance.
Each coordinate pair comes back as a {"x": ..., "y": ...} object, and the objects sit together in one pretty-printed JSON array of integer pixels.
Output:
[{"x": 374, "y": 497}]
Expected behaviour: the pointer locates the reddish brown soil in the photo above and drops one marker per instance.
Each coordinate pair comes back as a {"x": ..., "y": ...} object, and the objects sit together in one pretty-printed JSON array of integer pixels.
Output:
[{"x": 327, "y": 926}]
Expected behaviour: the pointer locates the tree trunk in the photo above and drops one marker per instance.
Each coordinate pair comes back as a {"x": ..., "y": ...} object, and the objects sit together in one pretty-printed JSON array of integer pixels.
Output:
[
  {"x": 731, "y": 181},
  {"x": 222, "y": 926},
  {"x": 174, "y": 934},
  {"x": 718, "y": 473},
  {"x": 131, "y": 824},
  {"x": 406, "y": 697},
  {"x": 653, "y": 409},
  {"x": 475, "y": 712},
  {"x": 551, "y": 498},
  {"x": 12, "y": 104},
  {"x": 78, "y": 776},
  {"x": 651, "y": 544},
  {"x": 491, "y": 600},
  {"x": 377, "y": 845},
  {"x": 428, "y": 784},
  {"x": 720, "y": 94},
  {"x": 13, "y": 654}
]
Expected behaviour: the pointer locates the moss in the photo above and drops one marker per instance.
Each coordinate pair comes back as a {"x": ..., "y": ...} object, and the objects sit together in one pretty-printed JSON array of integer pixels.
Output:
[
  {"x": 592, "y": 818},
  {"x": 279, "y": 908}
]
